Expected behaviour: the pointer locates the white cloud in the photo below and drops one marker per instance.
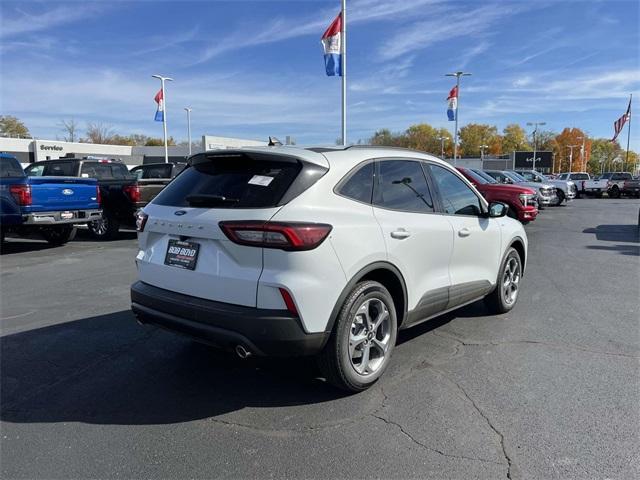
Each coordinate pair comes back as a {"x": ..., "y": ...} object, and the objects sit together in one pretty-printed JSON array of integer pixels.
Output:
[
  {"x": 26, "y": 22},
  {"x": 278, "y": 29},
  {"x": 446, "y": 25}
]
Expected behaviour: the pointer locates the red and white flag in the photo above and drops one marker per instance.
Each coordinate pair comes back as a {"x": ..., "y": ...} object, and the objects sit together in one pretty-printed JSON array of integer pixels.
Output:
[
  {"x": 159, "y": 98},
  {"x": 618, "y": 125}
]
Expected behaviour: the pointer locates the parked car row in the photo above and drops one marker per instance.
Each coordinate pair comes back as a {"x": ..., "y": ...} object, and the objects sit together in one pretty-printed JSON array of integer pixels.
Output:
[
  {"x": 50, "y": 197},
  {"x": 614, "y": 184}
]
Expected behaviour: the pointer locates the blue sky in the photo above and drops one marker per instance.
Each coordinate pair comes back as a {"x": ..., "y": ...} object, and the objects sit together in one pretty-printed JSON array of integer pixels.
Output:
[{"x": 255, "y": 68}]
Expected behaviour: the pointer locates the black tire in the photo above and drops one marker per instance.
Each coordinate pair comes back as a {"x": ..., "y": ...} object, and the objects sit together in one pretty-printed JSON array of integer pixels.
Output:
[
  {"x": 560, "y": 195},
  {"x": 598, "y": 194},
  {"x": 614, "y": 192},
  {"x": 105, "y": 229},
  {"x": 578, "y": 193},
  {"x": 335, "y": 361},
  {"x": 58, "y": 235},
  {"x": 497, "y": 301}
]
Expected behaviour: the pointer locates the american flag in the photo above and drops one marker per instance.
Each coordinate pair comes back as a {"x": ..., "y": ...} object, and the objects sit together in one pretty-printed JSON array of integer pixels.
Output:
[{"x": 619, "y": 124}]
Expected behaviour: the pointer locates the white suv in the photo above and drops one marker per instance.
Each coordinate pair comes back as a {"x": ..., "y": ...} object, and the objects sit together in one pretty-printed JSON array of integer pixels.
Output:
[{"x": 323, "y": 251}]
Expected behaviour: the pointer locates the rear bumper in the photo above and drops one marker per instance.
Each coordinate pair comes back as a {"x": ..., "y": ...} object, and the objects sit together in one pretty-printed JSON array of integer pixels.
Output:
[
  {"x": 261, "y": 331},
  {"x": 61, "y": 217}
]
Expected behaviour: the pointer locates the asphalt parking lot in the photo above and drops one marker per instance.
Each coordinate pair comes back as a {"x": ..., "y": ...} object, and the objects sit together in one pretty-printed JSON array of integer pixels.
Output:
[{"x": 550, "y": 390}]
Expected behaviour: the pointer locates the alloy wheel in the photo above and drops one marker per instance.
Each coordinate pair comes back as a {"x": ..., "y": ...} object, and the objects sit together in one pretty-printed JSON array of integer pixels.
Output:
[
  {"x": 511, "y": 281},
  {"x": 369, "y": 336}
]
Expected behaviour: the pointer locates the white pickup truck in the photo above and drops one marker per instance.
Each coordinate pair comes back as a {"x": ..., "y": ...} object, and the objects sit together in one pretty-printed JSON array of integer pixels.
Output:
[
  {"x": 576, "y": 177},
  {"x": 611, "y": 182}
]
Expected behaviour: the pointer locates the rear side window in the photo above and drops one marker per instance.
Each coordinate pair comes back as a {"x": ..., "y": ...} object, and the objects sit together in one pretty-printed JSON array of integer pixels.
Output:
[
  {"x": 10, "y": 168},
  {"x": 233, "y": 181},
  {"x": 621, "y": 176},
  {"x": 61, "y": 169},
  {"x": 402, "y": 186},
  {"x": 359, "y": 186}
]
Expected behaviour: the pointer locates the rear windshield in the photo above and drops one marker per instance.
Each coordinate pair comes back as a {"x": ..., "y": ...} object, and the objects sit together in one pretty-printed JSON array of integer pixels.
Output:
[
  {"x": 105, "y": 171},
  {"x": 230, "y": 181},
  {"x": 579, "y": 176},
  {"x": 10, "y": 168},
  {"x": 60, "y": 169}
]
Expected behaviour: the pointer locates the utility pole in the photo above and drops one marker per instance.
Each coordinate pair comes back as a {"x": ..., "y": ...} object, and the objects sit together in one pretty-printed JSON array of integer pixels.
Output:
[
  {"x": 535, "y": 126},
  {"x": 571, "y": 147},
  {"x": 455, "y": 136},
  {"x": 482, "y": 147},
  {"x": 442, "y": 140},
  {"x": 164, "y": 113},
  {"x": 188, "y": 110}
]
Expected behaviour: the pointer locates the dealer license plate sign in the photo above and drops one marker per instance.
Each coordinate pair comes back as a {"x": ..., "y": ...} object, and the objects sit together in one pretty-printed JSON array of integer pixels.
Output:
[{"x": 182, "y": 254}]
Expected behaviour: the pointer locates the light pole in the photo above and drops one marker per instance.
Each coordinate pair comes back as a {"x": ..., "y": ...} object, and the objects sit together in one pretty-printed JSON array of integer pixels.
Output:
[
  {"x": 455, "y": 136},
  {"x": 535, "y": 126},
  {"x": 164, "y": 113},
  {"x": 188, "y": 110},
  {"x": 442, "y": 140},
  {"x": 581, "y": 149},
  {"x": 482, "y": 147},
  {"x": 571, "y": 147}
]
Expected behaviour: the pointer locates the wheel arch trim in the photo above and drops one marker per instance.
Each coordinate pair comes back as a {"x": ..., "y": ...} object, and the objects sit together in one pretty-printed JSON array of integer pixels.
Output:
[{"x": 380, "y": 265}]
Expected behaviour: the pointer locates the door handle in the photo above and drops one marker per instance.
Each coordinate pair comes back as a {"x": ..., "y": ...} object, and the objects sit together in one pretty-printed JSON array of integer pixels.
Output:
[
  {"x": 464, "y": 232},
  {"x": 400, "y": 234}
]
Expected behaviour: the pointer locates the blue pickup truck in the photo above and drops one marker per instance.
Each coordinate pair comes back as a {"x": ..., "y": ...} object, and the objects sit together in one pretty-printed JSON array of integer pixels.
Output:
[{"x": 49, "y": 206}]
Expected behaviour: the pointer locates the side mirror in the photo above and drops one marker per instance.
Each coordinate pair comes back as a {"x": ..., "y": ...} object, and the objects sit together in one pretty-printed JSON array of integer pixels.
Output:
[
  {"x": 507, "y": 180},
  {"x": 497, "y": 210}
]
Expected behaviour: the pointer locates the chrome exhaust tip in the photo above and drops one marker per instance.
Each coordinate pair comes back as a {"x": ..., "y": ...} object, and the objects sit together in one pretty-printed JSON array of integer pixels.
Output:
[{"x": 242, "y": 352}]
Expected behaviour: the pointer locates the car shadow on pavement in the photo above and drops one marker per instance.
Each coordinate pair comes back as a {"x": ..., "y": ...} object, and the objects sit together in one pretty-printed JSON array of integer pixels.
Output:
[
  {"x": 110, "y": 370},
  {"x": 615, "y": 233},
  {"x": 14, "y": 245}
]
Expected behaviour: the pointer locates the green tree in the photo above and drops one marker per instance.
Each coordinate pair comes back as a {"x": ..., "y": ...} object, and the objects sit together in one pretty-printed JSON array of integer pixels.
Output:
[
  {"x": 514, "y": 138},
  {"x": 159, "y": 142},
  {"x": 473, "y": 135},
  {"x": 603, "y": 152},
  {"x": 385, "y": 137},
  {"x": 10, "y": 126}
]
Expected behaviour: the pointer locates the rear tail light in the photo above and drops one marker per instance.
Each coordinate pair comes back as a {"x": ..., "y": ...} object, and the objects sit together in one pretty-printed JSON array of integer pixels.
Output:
[
  {"x": 98, "y": 196},
  {"x": 290, "y": 236},
  {"x": 141, "y": 220},
  {"x": 133, "y": 192},
  {"x": 288, "y": 301},
  {"x": 22, "y": 194}
]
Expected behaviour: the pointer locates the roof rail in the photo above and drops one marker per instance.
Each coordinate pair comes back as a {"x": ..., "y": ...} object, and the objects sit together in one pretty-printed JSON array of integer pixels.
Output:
[{"x": 381, "y": 147}]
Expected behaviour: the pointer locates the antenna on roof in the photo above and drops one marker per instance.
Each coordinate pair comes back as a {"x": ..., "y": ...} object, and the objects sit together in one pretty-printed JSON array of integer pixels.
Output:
[{"x": 274, "y": 142}]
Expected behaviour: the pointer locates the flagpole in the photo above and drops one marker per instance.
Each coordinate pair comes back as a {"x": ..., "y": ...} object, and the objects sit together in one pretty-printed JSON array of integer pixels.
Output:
[
  {"x": 628, "y": 128},
  {"x": 164, "y": 114},
  {"x": 343, "y": 45},
  {"x": 455, "y": 136}
]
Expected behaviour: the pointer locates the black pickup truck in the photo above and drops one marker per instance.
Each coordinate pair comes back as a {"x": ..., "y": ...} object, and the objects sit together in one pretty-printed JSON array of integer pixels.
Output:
[
  {"x": 119, "y": 190},
  {"x": 153, "y": 177}
]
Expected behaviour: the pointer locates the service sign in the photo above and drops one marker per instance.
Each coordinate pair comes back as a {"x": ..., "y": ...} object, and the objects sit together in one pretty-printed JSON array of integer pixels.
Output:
[{"x": 524, "y": 160}]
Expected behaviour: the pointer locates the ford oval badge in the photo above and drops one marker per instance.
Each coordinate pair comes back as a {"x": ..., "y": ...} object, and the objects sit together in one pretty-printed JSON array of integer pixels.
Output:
[
  {"x": 180, "y": 212},
  {"x": 67, "y": 191}
]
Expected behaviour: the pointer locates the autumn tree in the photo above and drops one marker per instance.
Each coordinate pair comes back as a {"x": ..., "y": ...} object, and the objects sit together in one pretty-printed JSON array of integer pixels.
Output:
[
  {"x": 514, "y": 139},
  {"x": 158, "y": 142},
  {"x": 385, "y": 137},
  {"x": 10, "y": 126},
  {"x": 473, "y": 135},
  {"x": 564, "y": 159}
]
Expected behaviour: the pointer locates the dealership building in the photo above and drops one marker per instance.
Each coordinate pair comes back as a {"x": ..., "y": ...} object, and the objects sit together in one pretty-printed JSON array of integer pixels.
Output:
[{"x": 29, "y": 150}]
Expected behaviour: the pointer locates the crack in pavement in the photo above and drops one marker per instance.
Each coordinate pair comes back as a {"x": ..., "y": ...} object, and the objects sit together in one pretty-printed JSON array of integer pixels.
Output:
[
  {"x": 405, "y": 433},
  {"x": 499, "y": 434},
  {"x": 472, "y": 343}
]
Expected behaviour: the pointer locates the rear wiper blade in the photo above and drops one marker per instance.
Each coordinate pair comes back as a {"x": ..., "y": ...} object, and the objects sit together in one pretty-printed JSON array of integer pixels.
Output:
[{"x": 207, "y": 200}]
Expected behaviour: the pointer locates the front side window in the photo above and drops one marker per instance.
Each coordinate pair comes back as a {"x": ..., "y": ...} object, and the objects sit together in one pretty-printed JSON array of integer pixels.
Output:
[
  {"x": 359, "y": 186},
  {"x": 457, "y": 198},
  {"x": 402, "y": 186}
]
